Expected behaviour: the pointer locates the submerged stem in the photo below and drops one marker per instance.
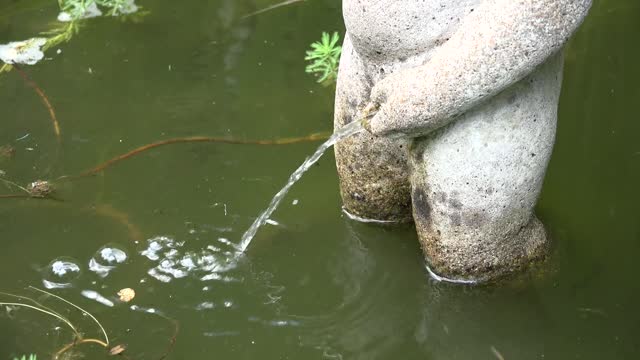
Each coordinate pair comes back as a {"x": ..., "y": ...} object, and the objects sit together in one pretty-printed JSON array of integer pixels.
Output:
[
  {"x": 37, "y": 304},
  {"x": 53, "y": 314},
  {"x": 81, "y": 341},
  {"x": 141, "y": 149},
  {"x": 43, "y": 97},
  {"x": 8, "y": 182},
  {"x": 77, "y": 307}
]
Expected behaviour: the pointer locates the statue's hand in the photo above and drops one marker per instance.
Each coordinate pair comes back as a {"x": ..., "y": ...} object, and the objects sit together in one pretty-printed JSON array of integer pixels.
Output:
[
  {"x": 397, "y": 103},
  {"x": 495, "y": 46}
]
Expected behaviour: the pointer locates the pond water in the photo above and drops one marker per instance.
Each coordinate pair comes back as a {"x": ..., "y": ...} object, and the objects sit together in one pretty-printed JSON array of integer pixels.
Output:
[{"x": 313, "y": 284}]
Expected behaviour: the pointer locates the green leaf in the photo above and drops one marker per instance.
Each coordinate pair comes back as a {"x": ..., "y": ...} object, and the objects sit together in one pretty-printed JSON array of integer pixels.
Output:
[{"x": 324, "y": 57}]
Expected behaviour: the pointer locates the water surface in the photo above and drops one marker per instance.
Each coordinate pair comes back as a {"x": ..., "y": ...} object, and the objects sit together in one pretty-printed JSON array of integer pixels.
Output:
[{"x": 316, "y": 285}]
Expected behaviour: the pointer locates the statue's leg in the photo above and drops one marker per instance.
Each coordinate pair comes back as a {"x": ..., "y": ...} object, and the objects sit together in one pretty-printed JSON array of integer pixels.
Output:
[
  {"x": 475, "y": 183},
  {"x": 373, "y": 171}
]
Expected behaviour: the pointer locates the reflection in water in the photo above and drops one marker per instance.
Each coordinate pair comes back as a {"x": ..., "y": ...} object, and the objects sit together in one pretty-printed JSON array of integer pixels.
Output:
[
  {"x": 367, "y": 323},
  {"x": 94, "y": 295},
  {"x": 455, "y": 318}
]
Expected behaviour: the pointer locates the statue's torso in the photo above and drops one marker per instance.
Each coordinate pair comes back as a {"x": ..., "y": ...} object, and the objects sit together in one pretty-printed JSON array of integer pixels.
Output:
[{"x": 390, "y": 30}]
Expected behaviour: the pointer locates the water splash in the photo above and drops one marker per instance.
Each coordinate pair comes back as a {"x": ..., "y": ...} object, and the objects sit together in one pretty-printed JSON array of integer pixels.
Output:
[
  {"x": 344, "y": 132},
  {"x": 174, "y": 262}
]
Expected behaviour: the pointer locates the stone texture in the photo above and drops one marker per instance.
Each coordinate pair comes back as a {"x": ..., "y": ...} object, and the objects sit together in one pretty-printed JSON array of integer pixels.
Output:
[
  {"x": 373, "y": 170},
  {"x": 476, "y": 181},
  {"x": 467, "y": 92},
  {"x": 496, "y": 45}
]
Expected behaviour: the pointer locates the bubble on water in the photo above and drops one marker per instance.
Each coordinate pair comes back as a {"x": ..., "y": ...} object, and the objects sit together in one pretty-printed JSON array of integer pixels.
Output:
[
  {"x": 112, "y": 254},
  {"x": 172, "y": 262},
  {"x": 106, "y": 259},
  {"x": 207, "y": 305},
  {"x": 156, "y": 245},
  {"x": 60, "y": 273}
]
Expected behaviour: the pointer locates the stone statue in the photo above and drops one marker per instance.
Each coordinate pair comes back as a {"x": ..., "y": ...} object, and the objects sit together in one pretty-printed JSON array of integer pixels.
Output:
[{"x": 465, "y": 96}]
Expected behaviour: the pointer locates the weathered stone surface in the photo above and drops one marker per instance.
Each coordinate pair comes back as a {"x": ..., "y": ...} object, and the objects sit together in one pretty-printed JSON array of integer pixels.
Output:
[
  {"x": 476, "y": 181},
  {"x": 496, "y": 45},
  {"x": 471, "y": 87},
  {"x": 373, "y": 170}
]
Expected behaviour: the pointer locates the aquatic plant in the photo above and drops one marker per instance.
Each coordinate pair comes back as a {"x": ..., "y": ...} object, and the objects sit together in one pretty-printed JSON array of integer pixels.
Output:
[
  {"x": 69, "y": 23},
  {"x": 72, "y": 12},
  {"x": 78, "y": 9},
  {"x": 25, "y": 357},
  {"x": 29, "y": 303},
  {"x": 324, "y": 57}
]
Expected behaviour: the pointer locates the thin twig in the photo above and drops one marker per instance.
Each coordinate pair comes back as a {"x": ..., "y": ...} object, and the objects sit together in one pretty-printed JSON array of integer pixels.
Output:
[
  {"x": 80, "y": 341},
  {"x": 8, "y": 182},
  {"x": 136, "y": 151},
  {"x": 172, "y": 340},
  {"x": 41, "y": 307},
  {"x": 43, "y": 97},
  {"x": 17, "y": 196},
  {"x": 30, "y": 196},
  {"x": 77, "y": 307},
  {"x": 43, "y": 311},
  {"x": 269, "y": 8},
  {"x": 496, "y": 353}
]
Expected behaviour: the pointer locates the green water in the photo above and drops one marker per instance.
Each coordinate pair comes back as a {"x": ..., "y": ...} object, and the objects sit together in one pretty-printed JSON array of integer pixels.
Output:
[{"x": 317, "y": 285}]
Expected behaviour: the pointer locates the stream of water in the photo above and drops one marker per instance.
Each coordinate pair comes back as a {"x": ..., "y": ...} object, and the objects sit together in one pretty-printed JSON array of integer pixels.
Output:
[{"x": 344, "y": 132}]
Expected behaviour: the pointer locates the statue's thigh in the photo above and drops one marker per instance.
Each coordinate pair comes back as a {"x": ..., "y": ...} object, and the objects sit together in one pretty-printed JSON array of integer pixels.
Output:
[
  {"x": 373, "y": 171},
  {"x": 483, "y": 173}
]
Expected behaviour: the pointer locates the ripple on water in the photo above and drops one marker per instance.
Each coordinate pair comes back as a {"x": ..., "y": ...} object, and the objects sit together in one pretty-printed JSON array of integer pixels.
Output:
[
  {"x": 365, "y": 321},
  {"x": 60, "y": 273}
]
